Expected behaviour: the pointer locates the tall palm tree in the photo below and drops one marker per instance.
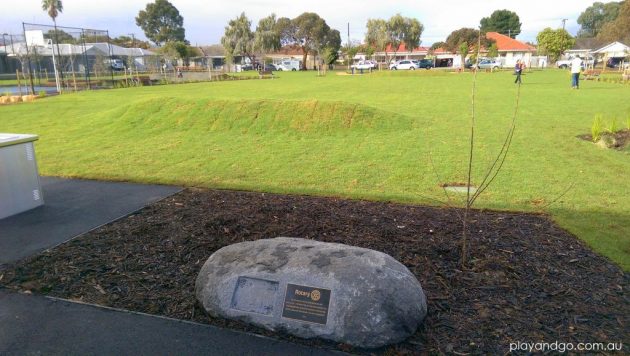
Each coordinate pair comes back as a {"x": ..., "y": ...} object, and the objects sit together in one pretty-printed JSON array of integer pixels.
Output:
[{"x": 54, "y": 7}]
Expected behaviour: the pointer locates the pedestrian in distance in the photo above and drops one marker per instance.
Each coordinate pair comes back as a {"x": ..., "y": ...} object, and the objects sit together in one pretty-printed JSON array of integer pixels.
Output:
[
  {"x": 518, "y": 69},
  {"x": 576, "y": 68}
]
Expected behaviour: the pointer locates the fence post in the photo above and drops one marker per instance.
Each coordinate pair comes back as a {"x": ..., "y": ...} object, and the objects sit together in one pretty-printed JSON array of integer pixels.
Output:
[{"x": 17, "y": 76}]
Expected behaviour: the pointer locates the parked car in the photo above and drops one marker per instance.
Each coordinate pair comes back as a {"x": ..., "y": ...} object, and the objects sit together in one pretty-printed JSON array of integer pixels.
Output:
[
  {"x": 566, "y": 63},
  {"x": 270, "y": 67},
  {"x": 404, "y": 64},
  {"x": 425, "y": 63},
  {"x": 365, "y": 65},
  {"x": 616, "y": 62},
  {"x": 291, "y": 65},
  {"x": 489, "y": 64},
  {"x": 116, "y": 64},
  {"x": 246, "y": 67}
]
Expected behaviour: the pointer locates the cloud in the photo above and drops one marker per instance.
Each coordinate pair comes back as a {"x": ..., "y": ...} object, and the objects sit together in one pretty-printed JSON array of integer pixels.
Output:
[{"x": 205, "y": 21}]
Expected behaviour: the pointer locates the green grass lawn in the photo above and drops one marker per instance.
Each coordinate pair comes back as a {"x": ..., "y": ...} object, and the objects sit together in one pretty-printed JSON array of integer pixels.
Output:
[{"x": 370, "y": 137}]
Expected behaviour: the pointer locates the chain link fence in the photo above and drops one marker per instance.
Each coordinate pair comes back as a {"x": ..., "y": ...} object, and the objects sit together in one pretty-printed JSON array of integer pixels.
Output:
[{"x": 61, "y": 59}]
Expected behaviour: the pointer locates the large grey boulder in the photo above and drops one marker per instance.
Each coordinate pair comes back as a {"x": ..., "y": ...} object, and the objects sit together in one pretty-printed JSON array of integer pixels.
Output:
[{"x": 312, "y": 289}]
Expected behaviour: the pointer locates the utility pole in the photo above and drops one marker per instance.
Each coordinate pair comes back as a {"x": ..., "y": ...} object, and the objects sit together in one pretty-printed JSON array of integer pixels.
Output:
[
  {"x": 564, "y": 21},
  {"x": 349, "y": 59},
  {"x": 133, "y": 40}
]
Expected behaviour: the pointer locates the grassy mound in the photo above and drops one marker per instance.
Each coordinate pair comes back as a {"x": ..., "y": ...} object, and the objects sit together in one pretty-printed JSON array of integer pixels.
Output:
[{"x": 252, "y": 116}]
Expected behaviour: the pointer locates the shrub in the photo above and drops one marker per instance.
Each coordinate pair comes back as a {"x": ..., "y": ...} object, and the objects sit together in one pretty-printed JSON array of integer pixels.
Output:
[
  {"x": 614, "y": 127},
  {"x": 42, "y": 94},
  {"x": 596, "y": 128}
]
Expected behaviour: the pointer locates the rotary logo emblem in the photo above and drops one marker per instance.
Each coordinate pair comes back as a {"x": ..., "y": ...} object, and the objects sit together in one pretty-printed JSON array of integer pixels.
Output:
[{"x": 315, "y": 295}]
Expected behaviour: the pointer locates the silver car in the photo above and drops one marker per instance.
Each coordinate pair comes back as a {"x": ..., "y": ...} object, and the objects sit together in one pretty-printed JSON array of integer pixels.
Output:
[
  {"x": 404, "y": 64},
  {"x": 489, "y": 64}
]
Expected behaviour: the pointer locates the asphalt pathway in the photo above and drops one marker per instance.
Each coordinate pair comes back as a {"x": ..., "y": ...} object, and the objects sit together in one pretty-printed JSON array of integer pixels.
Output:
[
  {"x": 72, "y": 207},
  {"x": 35, "y": 325}
]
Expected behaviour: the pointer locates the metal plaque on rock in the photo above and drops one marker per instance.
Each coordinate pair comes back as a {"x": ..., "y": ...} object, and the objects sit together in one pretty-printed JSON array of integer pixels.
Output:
[{"x": 305, "y": 303}]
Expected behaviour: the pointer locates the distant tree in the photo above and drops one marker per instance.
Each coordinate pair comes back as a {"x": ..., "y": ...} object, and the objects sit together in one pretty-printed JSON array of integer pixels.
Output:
[
  {"x": 351, "y": 50},
  {"x": 463, "y": 50},
  {"x": 437, "y": 45},
  {"x": 376, "y": 34},
  {"x": 505, "y": 22},
  {"x": 329, "y": 56},
  {"x": 329, "y": 46},
  {"x": 59, "y": 36},
  {"x": 554, "y": 42},
  {"x": 53, "y": 8},
  {"x": 267, "y": 36},
  {"x": 239, "y": 38},
  {"x": 93, "y": 36},
  {"x": 122, "y": 41},
  {"x": 368, "y": 50},
  {"x": 468, "y": 36},
  {"x": 307, "y": 31},
  {"x": 493, "y": 51},
  {"x": 174, "y": 50},
  {"x": 618, "y": 30},
  {"x": 129, "y": 42},
  {"x": 161, "y": 22},
  {"x": 593, "y": 19},
  {"x": 394, "y": 32}
]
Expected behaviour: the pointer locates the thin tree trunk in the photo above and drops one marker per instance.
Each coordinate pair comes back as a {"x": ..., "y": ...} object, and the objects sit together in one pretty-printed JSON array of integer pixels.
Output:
[
  {"x": 304, "y": 56},
  {"x": 63, "y": 84}
]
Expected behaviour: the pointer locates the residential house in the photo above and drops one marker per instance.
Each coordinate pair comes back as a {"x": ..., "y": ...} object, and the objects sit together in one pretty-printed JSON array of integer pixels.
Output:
[
  {"x": 294, "y": 53},
  {"x": 613, "y": 54},
  {"x": 511, "y": 50}
]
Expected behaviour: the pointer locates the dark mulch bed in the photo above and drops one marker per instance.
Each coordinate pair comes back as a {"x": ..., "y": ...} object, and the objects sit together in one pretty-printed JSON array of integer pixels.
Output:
[
  {"x": 528, "y": 280},
  {"x": 619, "y": 140}
]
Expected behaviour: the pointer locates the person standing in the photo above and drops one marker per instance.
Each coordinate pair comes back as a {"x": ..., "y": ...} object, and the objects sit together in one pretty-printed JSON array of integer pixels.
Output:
[
  {"x": 576, "y": 68},
  {"x": 518, "y": 69}
]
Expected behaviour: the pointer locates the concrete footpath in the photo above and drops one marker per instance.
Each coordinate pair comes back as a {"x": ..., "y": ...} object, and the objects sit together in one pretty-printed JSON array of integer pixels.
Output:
[{"x": 31, "y": 324}]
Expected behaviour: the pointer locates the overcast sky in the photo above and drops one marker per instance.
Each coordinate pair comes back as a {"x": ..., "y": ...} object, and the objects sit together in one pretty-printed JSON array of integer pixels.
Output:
[{"x": 205, "y": 21}]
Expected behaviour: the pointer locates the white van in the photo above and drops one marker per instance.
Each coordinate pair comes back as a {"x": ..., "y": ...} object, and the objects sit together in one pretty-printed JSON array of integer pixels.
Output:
[
  {"x": 115, "y": 64},
  {"x": 289, "y": 65}
]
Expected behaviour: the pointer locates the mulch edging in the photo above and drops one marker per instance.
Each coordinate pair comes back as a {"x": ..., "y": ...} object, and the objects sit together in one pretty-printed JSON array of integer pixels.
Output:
[{"x": 528, "y": 281}]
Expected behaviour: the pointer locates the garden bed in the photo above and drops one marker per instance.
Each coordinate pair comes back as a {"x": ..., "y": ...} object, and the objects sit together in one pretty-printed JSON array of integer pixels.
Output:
[
  {"x": 528, "y": 280},
  {"x": 619, "y": 140}
]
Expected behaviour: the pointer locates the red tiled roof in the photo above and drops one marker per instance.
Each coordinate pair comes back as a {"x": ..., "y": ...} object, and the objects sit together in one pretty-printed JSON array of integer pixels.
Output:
[
  {"x": 506, "y": 43},
  {"x": 440, "y": 50},
  {"x": 403, "y": 48},
  {"x": 290, "y": 50}
]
